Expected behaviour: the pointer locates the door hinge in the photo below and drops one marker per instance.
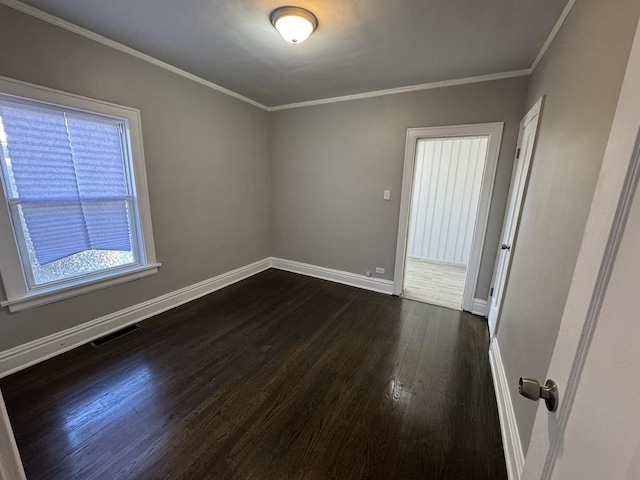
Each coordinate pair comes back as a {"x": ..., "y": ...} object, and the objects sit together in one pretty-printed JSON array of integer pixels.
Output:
[
  {"x": 491, "y": 292},
  {"x": 518, "y": 153}
]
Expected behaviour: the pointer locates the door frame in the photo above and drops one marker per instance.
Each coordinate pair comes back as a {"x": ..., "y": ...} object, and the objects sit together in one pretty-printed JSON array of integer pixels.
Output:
[
  {"x": 10, "y": 463},
  {"x": 534, "y": 111},
  {"x": 494, "y": 131}
]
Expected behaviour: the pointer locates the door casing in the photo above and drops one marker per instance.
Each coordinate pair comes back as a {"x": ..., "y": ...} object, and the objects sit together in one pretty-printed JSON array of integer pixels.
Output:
[
  {"x": 494, "y": 131},
  {"x": 515, "y": 200}
]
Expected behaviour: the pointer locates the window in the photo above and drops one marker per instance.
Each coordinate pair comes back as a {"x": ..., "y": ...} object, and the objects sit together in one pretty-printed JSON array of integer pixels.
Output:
[{"x": 76, "y": 202}]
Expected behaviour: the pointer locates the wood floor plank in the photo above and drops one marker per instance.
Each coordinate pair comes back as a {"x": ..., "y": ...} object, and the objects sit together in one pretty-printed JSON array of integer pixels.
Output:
[{"x": 279, "y": 376}]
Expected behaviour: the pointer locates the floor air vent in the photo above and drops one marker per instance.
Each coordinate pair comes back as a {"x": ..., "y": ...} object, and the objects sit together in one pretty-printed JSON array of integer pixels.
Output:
[{"x": 115, "y": 335}]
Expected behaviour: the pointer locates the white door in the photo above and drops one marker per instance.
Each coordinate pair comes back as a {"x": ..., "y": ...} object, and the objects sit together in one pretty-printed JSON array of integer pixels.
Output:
[
  {"x": 595, "y": 433},
  {"x": 526, "y": 143}
]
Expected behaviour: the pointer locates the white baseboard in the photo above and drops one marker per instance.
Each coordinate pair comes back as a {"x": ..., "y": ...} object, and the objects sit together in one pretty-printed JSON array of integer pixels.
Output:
[
  {"x": 36, "y": 351},
  {"x": 513, "y": 454},
  {"x": 339, "y": 276},
  {"x": 28, "y": 354},
  {"x": 479, "y": 307},
  {"x": 41, "y": 349}
]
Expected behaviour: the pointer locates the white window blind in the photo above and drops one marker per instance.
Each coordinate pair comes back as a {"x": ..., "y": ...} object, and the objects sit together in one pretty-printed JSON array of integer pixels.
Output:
[
  {"x": 69, "y": 180},
  {"x": 76, "y": 216}
]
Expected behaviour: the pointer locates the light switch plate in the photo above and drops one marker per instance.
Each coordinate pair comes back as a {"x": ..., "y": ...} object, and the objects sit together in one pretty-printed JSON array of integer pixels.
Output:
[{"x": 387, "y": 195}]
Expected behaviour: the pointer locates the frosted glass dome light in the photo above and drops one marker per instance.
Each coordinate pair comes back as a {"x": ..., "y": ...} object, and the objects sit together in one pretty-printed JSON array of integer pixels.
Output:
[{"x": 295, "y": 24}]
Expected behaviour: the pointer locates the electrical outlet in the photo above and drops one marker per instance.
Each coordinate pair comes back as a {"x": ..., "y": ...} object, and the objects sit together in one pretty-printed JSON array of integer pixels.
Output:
[
  {"x": 368, "y": 273},
  {"x": 379, "y": 270}
]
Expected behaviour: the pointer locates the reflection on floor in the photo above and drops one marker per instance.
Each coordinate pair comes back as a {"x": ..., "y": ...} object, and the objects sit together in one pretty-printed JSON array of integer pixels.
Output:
[
  {"x": 279, "y": 376},
  {"x": 434, "y": 282}
]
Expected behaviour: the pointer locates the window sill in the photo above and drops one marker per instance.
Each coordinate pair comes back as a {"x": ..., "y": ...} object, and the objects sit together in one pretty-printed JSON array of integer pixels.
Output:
[{"x": 55, "y": 294}]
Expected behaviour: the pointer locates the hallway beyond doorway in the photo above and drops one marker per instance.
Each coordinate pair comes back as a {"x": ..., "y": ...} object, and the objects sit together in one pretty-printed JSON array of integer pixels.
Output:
[{"x": 433, "y": 282}]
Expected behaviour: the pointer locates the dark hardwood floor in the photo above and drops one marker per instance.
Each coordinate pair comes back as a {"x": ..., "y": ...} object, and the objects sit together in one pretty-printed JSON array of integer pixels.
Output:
[{"x": 279, "y": 376}]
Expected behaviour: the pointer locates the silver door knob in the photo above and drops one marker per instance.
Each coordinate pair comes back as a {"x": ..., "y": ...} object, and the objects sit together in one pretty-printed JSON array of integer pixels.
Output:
[
  {"x": 531, "y": 389},
  {"x": 504, "y": 246}
]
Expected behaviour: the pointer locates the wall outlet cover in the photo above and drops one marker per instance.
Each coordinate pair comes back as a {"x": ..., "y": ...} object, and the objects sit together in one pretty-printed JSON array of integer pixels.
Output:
[{"x": 379, "y": 270}]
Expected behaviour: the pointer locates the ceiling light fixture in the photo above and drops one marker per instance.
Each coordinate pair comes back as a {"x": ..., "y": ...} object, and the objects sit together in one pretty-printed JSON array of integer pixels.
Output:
[{"x": 295, "y": 24}]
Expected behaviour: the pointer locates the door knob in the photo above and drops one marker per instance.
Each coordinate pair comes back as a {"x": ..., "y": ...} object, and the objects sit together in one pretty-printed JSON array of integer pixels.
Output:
[
  {"x": 505, "y": 247},
  {"x": 531, "y": 389}
]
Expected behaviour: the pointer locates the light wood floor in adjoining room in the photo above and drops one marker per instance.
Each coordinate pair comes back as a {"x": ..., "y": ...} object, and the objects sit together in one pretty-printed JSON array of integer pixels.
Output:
[{"x": 436, "y": 283}]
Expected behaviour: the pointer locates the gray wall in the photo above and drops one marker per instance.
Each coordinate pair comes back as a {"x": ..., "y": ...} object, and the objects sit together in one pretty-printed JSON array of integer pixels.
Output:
[
  {"x": 581, "y": 75},
  {"x": 207, "y": 167},
  {"x": 230, "y": 184},
  {"x": 331, "y": 163}
]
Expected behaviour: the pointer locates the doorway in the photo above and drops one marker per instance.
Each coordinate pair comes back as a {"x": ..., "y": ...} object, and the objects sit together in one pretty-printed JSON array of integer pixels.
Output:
[{"x": 447, "y": 186}]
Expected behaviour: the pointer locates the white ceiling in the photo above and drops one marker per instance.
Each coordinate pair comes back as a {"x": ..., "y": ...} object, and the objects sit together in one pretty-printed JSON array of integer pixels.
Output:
[{"x": 359, "y": 46}]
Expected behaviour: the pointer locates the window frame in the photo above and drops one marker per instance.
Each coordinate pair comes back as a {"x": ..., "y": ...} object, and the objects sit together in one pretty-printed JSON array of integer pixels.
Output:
[{"x": 19, "y": 296}]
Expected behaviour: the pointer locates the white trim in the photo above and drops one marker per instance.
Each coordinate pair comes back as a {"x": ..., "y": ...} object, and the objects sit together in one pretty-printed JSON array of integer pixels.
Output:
[
  {"x": 10, "y": 462},
  {"x": 534, "y": 111},
  {"x": 552, "y": 34},
  {"x": 36, "y": 351},
  {"x": 518, "y": 187},
  {"x": 19, "y": 297},
  {"x": 513, "y": 454},
  {"x": 20, "y": 88},
  {"x": 72, "y": 27},
  {"x": 407, "y": 89},
  {"x": 609, "y": 256},
  {"x": 347, "y": 278},
  {"x": 28, "y": 354},
  {"x": 611, "y": 206},
  {"x": 479, "y": 307},
  {"x": 494, "y": 130},
  {"x": 73, "y": 289},
  {"x": 442, "y": 84}
]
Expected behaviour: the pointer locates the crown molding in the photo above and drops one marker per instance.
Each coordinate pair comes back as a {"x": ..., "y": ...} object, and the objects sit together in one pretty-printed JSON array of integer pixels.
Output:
[
  {"x": 72, "y": 27},
  {"x": 446, "y": 83},
  {"x": 410, "y": 88},
  {"x": 553, "y": 33}
]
